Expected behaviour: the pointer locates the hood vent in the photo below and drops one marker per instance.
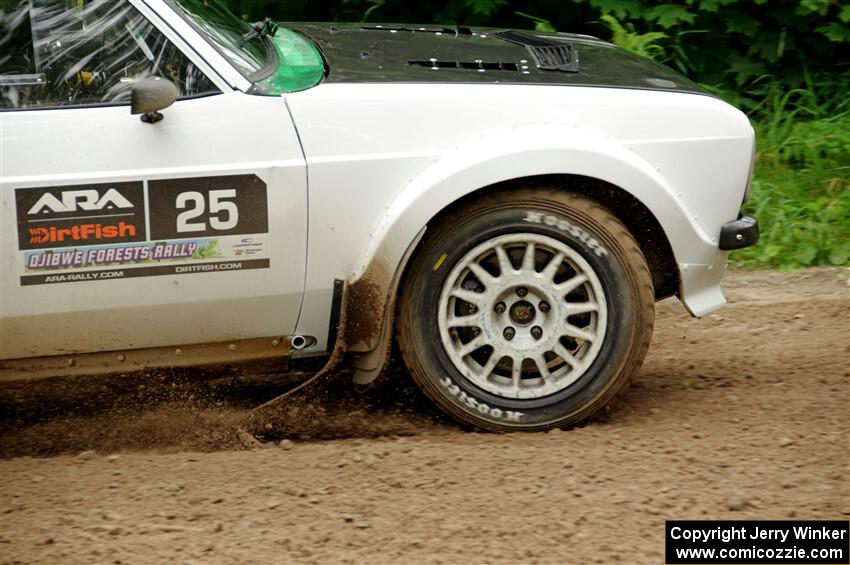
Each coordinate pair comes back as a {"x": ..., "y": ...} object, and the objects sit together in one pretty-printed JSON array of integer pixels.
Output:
[
  {"x": 456, "y": 31},
  {"x": 550, "y": 55},
  {"x": 477, "y": 65}
]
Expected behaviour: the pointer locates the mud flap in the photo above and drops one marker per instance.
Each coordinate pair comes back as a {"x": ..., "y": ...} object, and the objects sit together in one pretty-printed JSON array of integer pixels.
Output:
[{"x": 270, "y": 414}]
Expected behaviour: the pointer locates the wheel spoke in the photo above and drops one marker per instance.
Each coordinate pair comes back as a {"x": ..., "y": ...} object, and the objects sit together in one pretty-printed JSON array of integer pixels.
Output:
[
  {"x": 470, "y": 296},
  {"x": 565, "y": 354},
  {"x": 552, "y": 267},
  {"x": 573, "y": 308},
  {"x": 476, "y": 343},
  {"x": 472, "y": 320},
  {"x": 570, "y": 285},
  {"x": 481, "y": 274},
  {"x": 505, "y": 265},
  {"x": 542, "y": 366},
  {"x": 528, "y": 258},
  {"x": 516, "y": 371},
  {"x": 578, "y": 333}
]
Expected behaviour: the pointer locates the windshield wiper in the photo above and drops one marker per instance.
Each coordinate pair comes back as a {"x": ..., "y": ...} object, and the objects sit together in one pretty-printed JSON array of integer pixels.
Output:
[{"x": 264, "y": 28}]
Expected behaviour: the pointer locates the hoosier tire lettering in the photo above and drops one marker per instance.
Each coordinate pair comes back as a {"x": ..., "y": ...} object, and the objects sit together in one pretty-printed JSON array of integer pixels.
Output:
[
  {"x": 565, "y": 226},
  {"x": 483, "y": 408}
]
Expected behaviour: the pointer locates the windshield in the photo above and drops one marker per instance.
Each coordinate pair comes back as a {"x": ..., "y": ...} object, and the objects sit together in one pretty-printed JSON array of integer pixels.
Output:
[{"x": 225, "y": 31}]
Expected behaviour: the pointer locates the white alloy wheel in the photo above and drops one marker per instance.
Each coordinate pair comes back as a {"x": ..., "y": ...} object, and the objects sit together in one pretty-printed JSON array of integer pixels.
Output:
[
  {"x": 522, "y": 315},
  {"x": 525, "y": 310}
]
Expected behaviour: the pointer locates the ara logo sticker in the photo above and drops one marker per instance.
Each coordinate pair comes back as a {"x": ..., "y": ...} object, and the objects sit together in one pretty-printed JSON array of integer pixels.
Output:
[
  {"x": 74, "y": 200},
  {"x": 80, "y": 215}
]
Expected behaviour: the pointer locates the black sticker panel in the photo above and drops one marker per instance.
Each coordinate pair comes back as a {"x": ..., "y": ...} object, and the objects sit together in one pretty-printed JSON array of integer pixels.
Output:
[
  {"x": 92, "y": 214},
  {"x": 110, "y": 231},
  {"x": 207, "y": 206}
]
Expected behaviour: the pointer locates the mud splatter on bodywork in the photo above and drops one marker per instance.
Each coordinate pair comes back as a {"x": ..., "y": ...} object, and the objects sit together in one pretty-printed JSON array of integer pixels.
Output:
[{"x": 365, "y": 305}]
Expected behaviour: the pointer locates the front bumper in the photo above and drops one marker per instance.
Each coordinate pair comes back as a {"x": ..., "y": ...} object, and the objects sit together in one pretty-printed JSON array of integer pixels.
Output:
[
  {"x": 699, "y": 289},
  {"x": 740, "y": 233}
]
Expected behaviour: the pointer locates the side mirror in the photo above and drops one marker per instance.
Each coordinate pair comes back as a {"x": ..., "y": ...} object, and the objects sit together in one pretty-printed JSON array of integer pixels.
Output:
[{"x": 150, "y": 95}]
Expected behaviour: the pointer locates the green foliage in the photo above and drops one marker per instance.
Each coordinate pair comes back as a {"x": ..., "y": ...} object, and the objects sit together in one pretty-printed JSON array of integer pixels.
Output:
[
  {"x": 801, "y": 193},
  {"x": 375, "y": 4},
  {"x": 801, "y": 187},
  {"x": 540, "y": 24},
  {"x": 484, "y": 7},
  {"x": 669, "y": 15},
  {"x": 208, "y": 250},
  {"x": 645, "y": 44},
  {"x": 797, "y": 229},
  {"x": 734, "y": 43}
]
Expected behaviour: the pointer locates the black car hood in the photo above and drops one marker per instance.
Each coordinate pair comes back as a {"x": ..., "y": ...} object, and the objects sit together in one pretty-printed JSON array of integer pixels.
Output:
[{"x": 402, "y": 53}]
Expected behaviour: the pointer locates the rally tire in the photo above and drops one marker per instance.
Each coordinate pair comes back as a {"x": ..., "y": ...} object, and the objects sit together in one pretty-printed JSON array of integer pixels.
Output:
[{"x": 555, "y": 240}]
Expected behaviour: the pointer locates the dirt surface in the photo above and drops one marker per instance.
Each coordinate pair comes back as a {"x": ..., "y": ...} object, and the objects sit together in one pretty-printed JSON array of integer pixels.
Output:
[{"x": 740, "y": 415}]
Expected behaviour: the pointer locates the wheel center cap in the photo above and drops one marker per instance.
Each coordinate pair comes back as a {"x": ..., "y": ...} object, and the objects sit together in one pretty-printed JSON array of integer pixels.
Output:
[{"x": 522, "y": 313}]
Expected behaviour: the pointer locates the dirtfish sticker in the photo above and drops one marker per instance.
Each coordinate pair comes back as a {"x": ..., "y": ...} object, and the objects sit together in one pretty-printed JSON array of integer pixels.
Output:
[{"x": 94, "y": 214}]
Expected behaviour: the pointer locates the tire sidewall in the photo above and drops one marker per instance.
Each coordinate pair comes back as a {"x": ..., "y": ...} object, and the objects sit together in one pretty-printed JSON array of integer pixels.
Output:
[{"x": 603, "y": 255}]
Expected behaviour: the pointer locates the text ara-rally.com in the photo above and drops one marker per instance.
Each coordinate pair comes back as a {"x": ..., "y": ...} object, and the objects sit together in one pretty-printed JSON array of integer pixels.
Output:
[{"x": 729, "y": 533}]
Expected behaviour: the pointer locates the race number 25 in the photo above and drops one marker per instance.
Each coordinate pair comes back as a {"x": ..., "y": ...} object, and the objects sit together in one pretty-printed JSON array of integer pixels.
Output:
[
  {"x": 223, "y": 213},
  {"x": 207, "y": 206}
]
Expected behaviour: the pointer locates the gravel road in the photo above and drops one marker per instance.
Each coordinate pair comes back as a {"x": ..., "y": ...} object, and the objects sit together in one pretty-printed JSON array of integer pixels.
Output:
[{"x": 739, "y": 415}]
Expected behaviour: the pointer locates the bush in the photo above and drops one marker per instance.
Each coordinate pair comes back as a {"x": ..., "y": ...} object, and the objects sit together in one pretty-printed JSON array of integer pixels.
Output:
[{"x": 801, "y": 193}]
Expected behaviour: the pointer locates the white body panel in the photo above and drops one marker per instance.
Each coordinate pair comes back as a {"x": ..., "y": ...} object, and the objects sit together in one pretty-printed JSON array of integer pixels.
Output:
[
  {"x": 384, "y": 159},
  {"x": 204, "y": 137},
  {"x": 354, "y": 173}
]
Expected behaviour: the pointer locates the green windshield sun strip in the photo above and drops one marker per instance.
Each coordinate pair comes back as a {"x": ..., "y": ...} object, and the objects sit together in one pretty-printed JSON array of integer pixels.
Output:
[{"x": 301, "y": 65}]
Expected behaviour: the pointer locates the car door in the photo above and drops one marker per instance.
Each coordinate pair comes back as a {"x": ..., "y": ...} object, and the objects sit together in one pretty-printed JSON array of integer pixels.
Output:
[{"x": 119, "y": 233}]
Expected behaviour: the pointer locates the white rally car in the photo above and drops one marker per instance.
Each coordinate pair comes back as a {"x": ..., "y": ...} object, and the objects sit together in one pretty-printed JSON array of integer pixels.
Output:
[{"x": 178, "y": 187}]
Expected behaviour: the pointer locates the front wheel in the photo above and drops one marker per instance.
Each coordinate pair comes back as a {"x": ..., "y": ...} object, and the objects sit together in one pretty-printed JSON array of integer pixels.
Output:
[{"x": 526, "y": 310}]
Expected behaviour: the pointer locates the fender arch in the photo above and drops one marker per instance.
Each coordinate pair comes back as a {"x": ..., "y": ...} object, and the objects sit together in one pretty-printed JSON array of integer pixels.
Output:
[{"x": 490, "y": 160}]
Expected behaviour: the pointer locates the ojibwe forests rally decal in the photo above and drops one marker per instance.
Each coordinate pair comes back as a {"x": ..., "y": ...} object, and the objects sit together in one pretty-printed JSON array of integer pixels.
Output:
[{"x": 142, "y": 228}]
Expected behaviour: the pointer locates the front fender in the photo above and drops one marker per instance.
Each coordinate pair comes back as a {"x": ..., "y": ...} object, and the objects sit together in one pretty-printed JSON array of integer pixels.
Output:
[
  {"x": 496, "y": 157},
  {"x": 488, "y": 159}
]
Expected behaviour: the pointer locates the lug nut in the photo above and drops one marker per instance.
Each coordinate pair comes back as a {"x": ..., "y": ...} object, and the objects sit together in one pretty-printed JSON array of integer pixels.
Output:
[
  {"x": 521, "y": 291},
  {"x": 536, "y": 332},
  {"x": 509, "y": 333},
  {"x": 499, "y": 308},
  {"x": 544, "y": 306}
]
